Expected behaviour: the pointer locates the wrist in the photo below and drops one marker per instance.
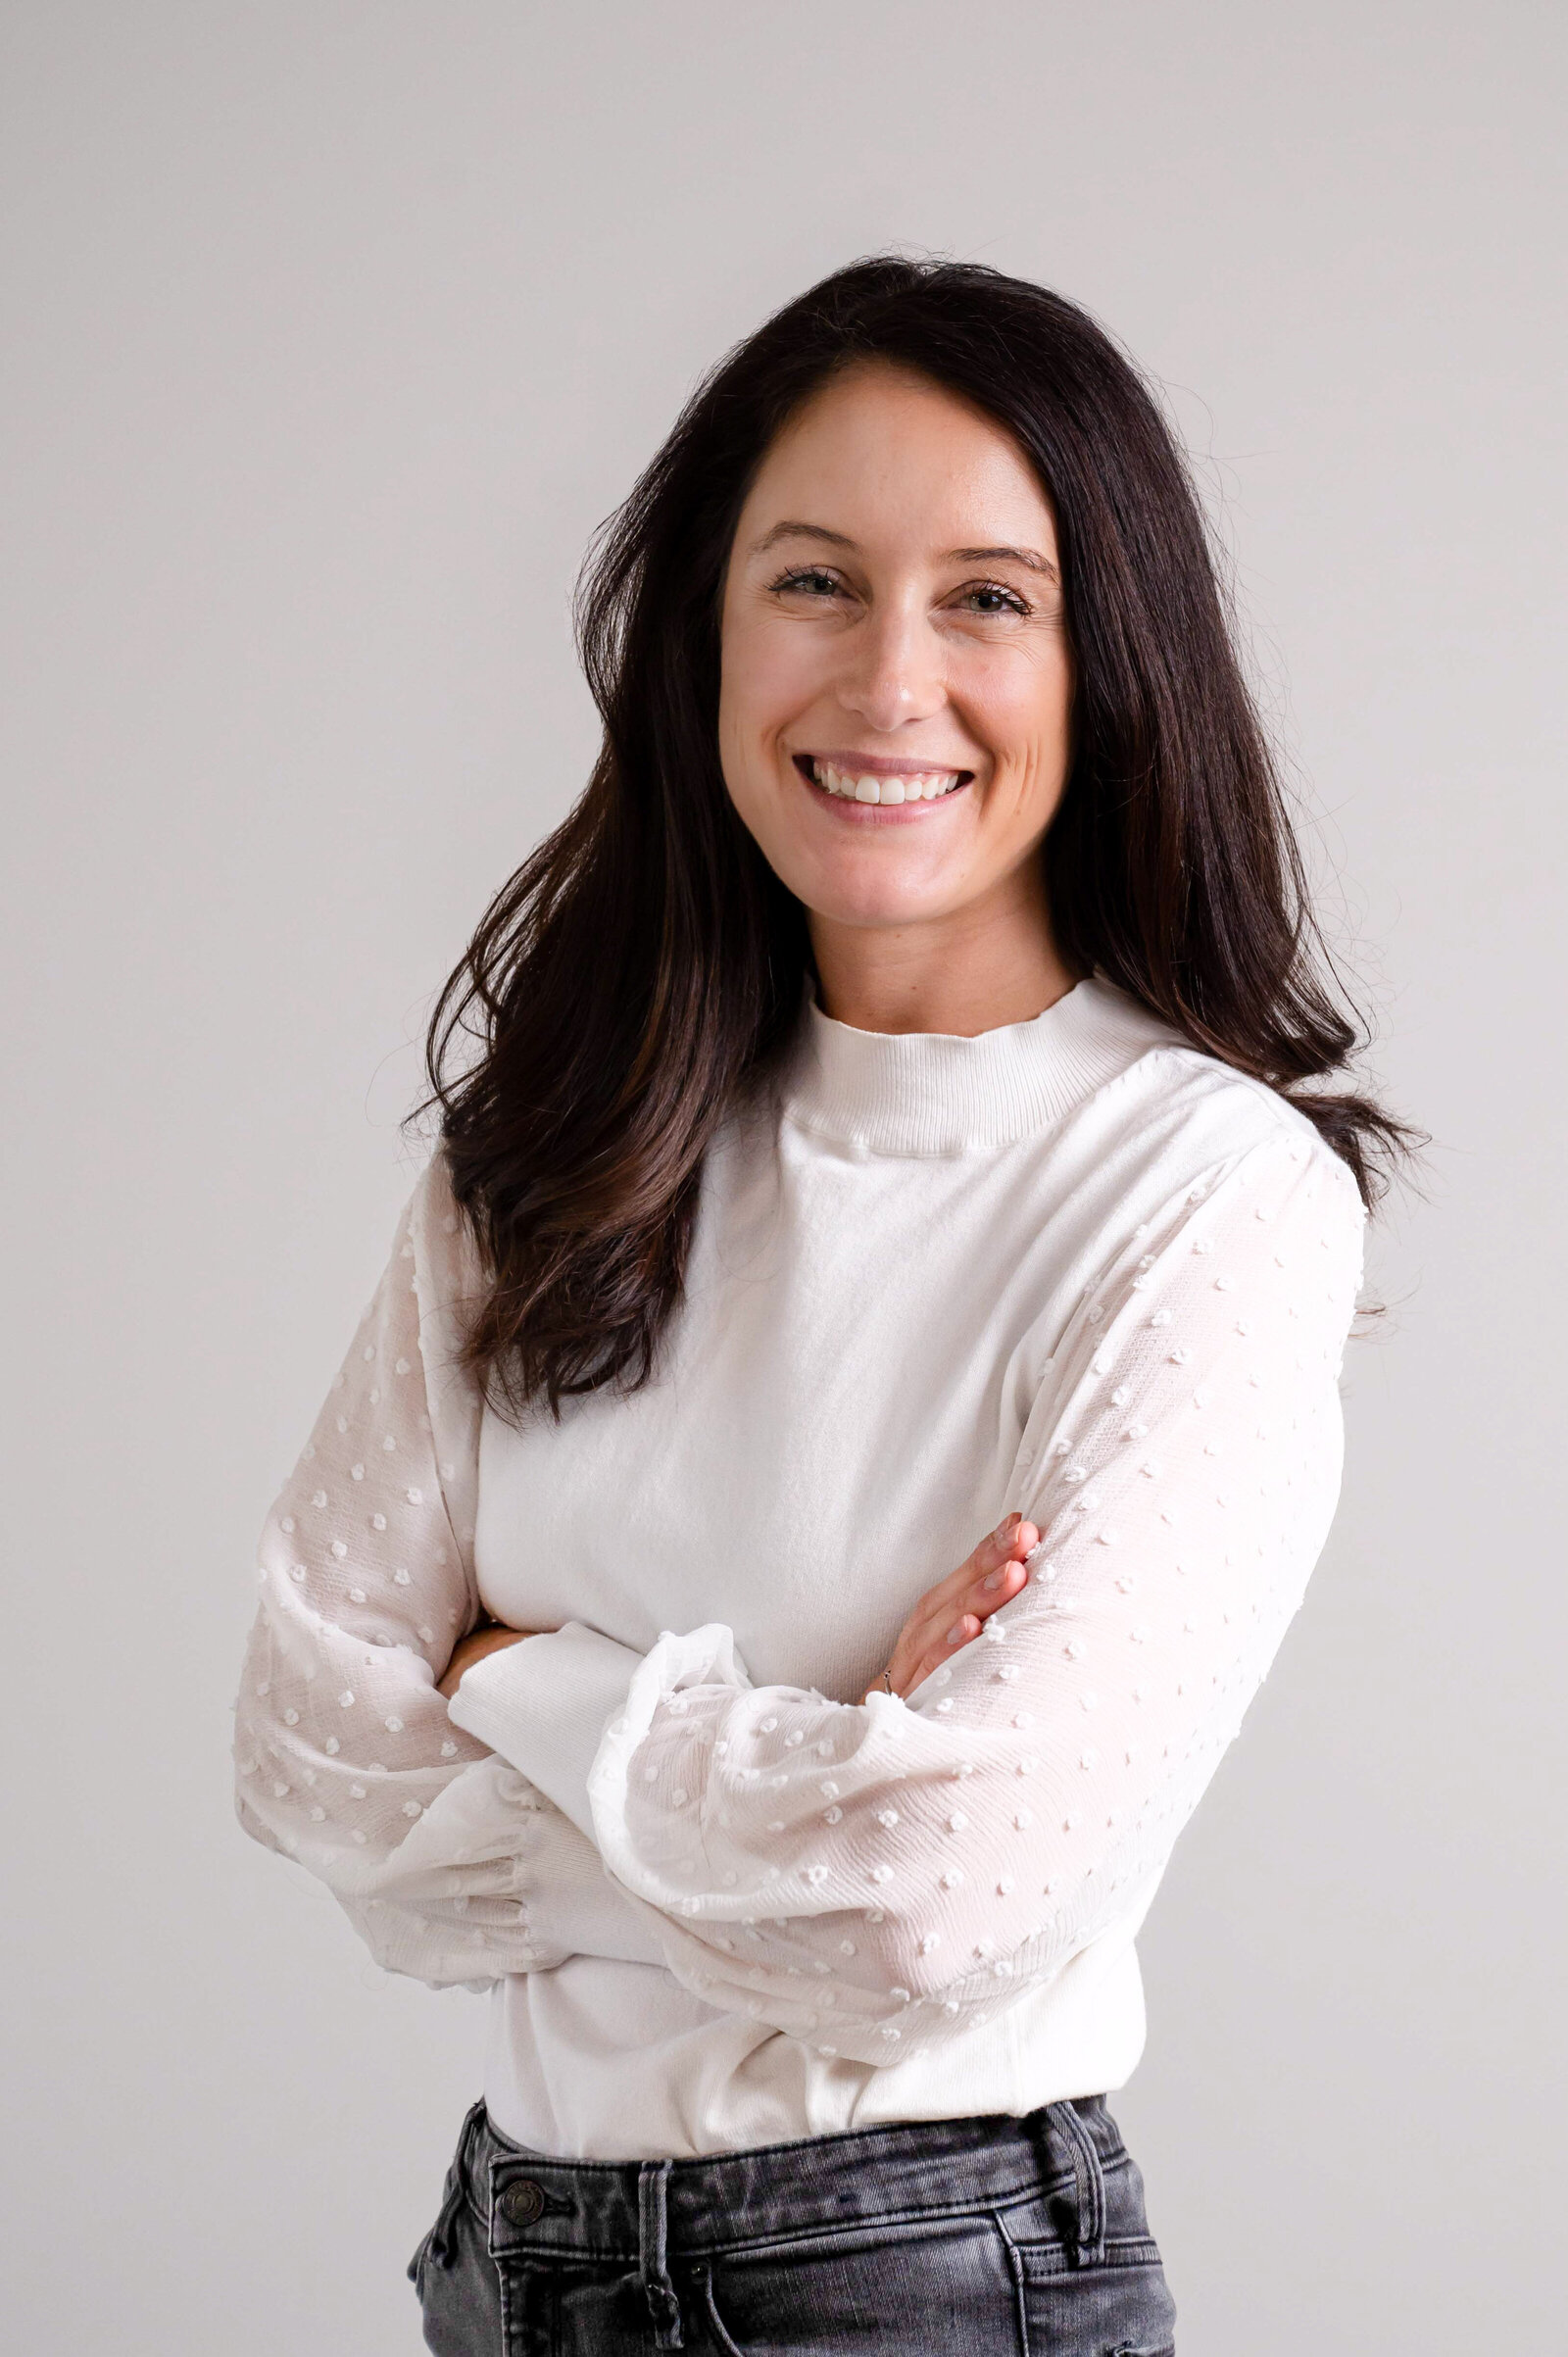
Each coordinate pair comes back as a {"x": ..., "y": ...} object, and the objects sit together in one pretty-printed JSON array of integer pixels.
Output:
[{"x": 477, "y": 1646}]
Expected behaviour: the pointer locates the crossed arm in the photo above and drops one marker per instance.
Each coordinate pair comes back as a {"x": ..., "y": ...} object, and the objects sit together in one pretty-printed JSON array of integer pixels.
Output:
[
  {"x": 947, "y": 1616},
  {"x": 975, "y": 1824},
  {"x": 874, "y": 1876},
  {"x": 452, "y": 1864}
]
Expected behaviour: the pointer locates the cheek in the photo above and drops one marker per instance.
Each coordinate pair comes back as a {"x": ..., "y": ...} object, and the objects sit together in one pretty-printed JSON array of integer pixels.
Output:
[
  {"x": 768, "y": 674},
  {"x": 758, "y": 693},
  {"x": 1023, "y": 706}
]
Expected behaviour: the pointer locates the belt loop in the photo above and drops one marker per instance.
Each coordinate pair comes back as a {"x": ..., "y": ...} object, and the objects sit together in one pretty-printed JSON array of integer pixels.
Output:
[
  {"x": 475, "y": 2117},
  {"x": 653, "y": 2186},
  {"x": 1089, "y": 2185}
]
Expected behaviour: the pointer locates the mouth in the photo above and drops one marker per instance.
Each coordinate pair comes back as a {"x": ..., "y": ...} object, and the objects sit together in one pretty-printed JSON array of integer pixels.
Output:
[{"x": 873, "y": 780}]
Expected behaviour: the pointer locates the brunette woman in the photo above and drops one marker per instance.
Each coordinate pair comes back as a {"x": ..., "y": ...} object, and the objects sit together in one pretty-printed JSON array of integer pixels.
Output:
[{"x": 898, "y": 1115}]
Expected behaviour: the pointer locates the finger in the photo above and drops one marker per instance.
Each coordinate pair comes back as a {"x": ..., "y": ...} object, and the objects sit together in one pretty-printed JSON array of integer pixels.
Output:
[
  {"x": 950, "y": 1614},
  {"x": 959, "y": 1632},
  {"x": 997, "y": 1559},
  {"x": 997, "y": 1588},
  {"x": 1020, "y": 1539},
  {"x": 996, "y": 1547},
  {"x": 992, "y": 1573},
  {"x": 991, "y": 1589},
  {"x": 993, "y": 1549},
  {"x": 1005, "y": 1579},
  {"x": 1010, "y": 1539}
]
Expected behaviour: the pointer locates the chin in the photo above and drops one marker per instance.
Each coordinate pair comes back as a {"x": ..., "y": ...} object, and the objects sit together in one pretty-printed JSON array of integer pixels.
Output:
[{"x": 876, "y": 902}]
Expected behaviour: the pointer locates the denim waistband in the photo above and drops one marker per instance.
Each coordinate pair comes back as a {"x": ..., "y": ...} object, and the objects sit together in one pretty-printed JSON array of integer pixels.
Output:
[{"x": 626, "y": 2209}]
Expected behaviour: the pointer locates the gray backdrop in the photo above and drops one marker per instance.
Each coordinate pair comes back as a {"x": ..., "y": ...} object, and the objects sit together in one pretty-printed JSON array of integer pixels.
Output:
[{"x": 334, "y": 329}]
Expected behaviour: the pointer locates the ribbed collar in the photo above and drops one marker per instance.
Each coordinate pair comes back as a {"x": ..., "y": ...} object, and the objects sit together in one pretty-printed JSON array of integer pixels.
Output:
[{"x": 935, "y": 1092}]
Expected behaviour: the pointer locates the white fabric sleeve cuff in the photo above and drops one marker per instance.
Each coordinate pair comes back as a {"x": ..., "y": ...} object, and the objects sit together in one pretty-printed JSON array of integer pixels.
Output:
[
  {"x": 574, "y": 1907},
  {"x": 544, "y": 1705}
]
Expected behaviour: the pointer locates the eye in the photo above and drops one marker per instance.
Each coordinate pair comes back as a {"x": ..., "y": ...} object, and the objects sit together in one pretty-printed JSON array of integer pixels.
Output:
[
  {"x": 809, "y": 581},
  {"x": 990, "y": 596}
]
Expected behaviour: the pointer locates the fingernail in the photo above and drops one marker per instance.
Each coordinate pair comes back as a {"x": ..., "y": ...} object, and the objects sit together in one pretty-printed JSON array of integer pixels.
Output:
[
  {"x": 995, "y": 1580},
  {"x": 1005, "y": 1529},
  {"x": 956, "y": 1633}
]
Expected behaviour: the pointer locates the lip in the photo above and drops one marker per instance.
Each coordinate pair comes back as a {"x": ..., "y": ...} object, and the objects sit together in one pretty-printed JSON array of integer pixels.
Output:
[
  {"x": 879, "y": 813},
  {"x": 879, "y": 764}
]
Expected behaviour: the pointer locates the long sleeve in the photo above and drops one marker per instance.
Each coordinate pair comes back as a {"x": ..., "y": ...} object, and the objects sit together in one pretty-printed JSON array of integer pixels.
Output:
[
  {"x": 450, "y": 1865},
  {"x": 867, "y": 1876}
]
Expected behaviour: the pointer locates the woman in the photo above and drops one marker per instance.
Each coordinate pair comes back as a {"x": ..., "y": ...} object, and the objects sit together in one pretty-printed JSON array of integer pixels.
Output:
[{"x": 885, "y": 1126}]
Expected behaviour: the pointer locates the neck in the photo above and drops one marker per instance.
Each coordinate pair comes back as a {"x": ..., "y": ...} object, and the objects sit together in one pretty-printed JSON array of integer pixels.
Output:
[{"x": 965, "y": 973}]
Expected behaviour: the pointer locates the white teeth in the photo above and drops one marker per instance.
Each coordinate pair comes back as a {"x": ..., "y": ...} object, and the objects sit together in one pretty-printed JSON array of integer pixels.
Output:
[{"x": 926, "y": 785}]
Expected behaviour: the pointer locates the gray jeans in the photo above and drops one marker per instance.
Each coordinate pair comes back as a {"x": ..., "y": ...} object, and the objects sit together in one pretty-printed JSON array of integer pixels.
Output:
[{"x": 949, "y": 2237}]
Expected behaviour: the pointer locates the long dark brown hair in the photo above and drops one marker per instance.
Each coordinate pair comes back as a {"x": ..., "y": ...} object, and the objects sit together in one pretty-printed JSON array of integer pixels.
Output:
[{"x": 644, "y": 964}]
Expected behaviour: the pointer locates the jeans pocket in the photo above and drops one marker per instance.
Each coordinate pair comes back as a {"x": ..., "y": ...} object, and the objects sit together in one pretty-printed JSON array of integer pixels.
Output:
[
  {"x": 1120, "y": 2308},
  {"x": 437, "y": 2245},
  {"x": 460, "y": 2287},
  {"x": 942, "y": 2287}
]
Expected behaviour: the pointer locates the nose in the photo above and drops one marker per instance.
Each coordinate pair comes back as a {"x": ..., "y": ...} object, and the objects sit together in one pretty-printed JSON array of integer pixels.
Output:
[{"x": 893, "y": 673}]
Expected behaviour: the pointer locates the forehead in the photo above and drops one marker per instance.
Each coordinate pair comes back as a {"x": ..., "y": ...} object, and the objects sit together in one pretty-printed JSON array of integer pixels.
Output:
[{"x": 881, "y": 453}]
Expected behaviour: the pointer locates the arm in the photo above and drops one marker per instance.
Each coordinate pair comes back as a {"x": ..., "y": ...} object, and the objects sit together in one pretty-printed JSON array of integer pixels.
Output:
[
  {"x": 867, "y": 1876},
  {"x": 946, "y": 1616},
  {"x": 450, "y": 1865}
]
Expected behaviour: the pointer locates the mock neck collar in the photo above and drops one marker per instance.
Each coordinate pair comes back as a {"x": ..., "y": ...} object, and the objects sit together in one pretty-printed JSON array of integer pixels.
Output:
[{"x": 921, "y": 1092}]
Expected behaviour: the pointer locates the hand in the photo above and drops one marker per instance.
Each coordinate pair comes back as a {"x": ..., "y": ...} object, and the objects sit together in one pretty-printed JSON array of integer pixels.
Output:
[
  {"x": 949, "y": 1615},
  {"x": 489, "y": 1637}
]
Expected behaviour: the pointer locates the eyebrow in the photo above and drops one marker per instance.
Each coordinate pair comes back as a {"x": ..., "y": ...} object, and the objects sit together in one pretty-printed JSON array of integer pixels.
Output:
[
  {"x": 1029, "y": 558},
  {"x": 800, "y": 531}
]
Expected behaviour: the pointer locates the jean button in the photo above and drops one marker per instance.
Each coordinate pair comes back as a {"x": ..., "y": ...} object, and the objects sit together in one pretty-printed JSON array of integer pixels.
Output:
[{"x": 522, "y": 2203}]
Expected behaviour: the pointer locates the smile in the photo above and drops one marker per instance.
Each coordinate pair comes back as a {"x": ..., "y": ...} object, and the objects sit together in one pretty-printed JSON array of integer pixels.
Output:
[{"x": 847, "y": 784}]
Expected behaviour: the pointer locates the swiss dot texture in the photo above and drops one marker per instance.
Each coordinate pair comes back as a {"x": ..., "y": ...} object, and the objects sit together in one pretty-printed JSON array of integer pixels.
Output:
[
  {"x": 872, "y": 1879},
  {"x": 450, "y": 1864},
  {"x": 1150, "y": 1394}
]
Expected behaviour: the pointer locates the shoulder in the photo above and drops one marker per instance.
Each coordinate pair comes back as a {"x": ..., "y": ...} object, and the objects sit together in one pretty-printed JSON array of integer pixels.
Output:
[
  {"x": 436, "y": 1236},
  {"x": 1176, "y": 1123}
]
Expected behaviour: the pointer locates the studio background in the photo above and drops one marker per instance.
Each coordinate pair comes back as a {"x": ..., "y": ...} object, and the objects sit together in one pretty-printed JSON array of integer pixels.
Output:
[{"x": 333, "y": 330}]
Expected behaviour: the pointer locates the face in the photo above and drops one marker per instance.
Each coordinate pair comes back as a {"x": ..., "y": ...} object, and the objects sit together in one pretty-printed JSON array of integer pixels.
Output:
[{"x": 895, "y": 709}]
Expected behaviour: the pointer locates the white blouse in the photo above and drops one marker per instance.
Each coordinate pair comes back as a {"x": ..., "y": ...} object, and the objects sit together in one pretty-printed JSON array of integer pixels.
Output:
[{"x": 1072, "y": 1269}]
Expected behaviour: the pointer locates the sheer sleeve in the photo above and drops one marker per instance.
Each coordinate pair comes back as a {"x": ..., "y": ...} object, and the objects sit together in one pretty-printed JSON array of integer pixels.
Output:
[
  {"x": 450, "y": 1865},
  {"x": 867, "y": 1876}
]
